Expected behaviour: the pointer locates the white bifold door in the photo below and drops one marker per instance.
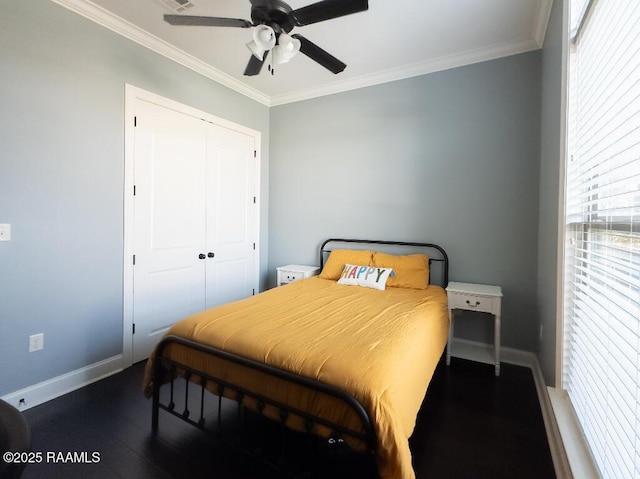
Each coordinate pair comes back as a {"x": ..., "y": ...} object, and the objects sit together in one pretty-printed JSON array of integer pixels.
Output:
[{"x": 195, "y": 211}]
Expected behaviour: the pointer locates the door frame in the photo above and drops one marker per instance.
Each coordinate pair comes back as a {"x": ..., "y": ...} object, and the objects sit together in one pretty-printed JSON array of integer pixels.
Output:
[{"x": 132, "y": 95}]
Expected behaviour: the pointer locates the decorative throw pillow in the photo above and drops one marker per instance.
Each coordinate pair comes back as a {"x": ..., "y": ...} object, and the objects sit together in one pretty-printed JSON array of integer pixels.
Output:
[
  {"x": 411, "y": 271},
  {"x": 339, "y": 257},
  {"x": 367, "y": 276}
]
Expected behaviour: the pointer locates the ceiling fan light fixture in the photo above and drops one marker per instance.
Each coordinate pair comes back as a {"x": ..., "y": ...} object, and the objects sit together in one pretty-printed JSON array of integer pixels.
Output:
[
  {"x": 271, "y": 19},
  {"x": 286, "y": 49},
  {"x": 264, "y": 39}
]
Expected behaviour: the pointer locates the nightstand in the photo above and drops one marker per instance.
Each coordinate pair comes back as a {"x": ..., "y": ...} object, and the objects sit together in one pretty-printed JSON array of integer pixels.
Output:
[
  {"x": 475, "y": 297},
  {"x": 294, "y": 272}
]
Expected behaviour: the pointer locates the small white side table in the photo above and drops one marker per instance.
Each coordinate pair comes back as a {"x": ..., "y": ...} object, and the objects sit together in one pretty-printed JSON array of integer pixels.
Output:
[
  {"x": 294, "y": 272},
  {"x": 476, "y": 297}
]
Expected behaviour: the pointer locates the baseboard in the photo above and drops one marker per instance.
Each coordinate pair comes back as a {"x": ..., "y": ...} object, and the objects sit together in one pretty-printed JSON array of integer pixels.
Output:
[
  {"x": 52, "y": 388},
  {"x": 528, "y": 359}
]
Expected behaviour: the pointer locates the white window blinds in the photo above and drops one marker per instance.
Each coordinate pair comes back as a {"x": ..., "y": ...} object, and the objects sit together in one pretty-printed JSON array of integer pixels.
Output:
[{"x": 601, "y": 362}]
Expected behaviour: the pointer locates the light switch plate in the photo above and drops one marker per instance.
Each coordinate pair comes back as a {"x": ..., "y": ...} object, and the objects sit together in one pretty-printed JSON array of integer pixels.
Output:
[{"x": 5, "y": 232}]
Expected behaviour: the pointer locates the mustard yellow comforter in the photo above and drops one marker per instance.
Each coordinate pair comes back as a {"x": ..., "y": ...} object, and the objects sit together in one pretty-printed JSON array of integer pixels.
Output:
[{"x": 380, "y": 346}]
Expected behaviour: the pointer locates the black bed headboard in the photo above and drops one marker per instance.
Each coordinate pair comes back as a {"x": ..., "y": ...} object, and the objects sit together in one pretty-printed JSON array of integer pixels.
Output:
[{"x": 437, "y": 254}]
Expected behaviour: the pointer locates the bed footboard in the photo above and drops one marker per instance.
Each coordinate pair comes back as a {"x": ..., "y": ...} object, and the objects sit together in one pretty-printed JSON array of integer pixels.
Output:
[{"x": 221, "y": 387}]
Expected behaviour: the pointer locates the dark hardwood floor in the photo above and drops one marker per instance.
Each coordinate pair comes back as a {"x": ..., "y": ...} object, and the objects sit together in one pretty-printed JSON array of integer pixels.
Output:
[{"x": 471, "y": 425}]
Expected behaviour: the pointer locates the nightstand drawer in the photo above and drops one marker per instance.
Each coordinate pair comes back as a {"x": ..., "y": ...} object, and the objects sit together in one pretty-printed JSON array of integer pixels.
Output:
[
  {"x": 485, "y": 304},
  {"x": 290, "y": 276}
]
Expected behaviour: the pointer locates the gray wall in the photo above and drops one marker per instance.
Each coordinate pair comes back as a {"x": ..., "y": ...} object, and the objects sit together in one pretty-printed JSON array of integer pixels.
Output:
[
  {"x": 450, "y": 157},
  {"x": 551, "y": 161},
  {"x": 62, "y": 83}
]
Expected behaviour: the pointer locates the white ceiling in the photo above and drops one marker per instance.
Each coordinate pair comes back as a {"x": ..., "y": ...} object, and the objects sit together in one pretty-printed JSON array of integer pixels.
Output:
[{"x": 394, "y": 39}]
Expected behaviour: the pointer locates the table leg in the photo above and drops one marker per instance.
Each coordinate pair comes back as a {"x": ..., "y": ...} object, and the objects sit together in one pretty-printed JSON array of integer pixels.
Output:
[
  {"x": 450, "y": 340},
  {"x": 496, "y": 344}
]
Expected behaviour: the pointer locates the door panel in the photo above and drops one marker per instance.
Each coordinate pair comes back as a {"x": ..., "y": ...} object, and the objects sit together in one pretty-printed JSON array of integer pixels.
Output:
[
  {"x": 231, "y": 215},
  {"x": 169, "y": 204}
]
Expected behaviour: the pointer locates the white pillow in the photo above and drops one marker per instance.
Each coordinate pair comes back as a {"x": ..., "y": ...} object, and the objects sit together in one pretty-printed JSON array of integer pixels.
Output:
[{"x": 367, "y": 276}]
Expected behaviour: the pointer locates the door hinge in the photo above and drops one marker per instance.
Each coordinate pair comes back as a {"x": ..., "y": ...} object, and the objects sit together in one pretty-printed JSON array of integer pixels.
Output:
[
  {"x": 255, "y": 153},
  {"x": 134, "y": 259},
  {"x": 254, "y": 200},
  {"x": 135, "y": 121},
  {"x": 134, "y": 190},
  {"x": 254, "y": 246},
  {"x": 254, "y": 292},
  {"x": 133, "y": 329}
]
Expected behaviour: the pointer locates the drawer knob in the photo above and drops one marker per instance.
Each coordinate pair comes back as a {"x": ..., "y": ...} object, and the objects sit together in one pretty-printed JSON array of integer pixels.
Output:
[{"x": 473, "y": 305}]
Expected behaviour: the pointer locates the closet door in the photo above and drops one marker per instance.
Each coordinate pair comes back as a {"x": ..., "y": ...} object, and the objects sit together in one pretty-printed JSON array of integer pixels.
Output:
[
  {"x": 231, "y": 215},
  {"x": 192, "y": 225},
  {"x": 169, "y": 209}
]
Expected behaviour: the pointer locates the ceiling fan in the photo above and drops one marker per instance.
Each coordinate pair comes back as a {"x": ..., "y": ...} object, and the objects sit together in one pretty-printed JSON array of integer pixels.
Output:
[{"x": 273, "y": 20}]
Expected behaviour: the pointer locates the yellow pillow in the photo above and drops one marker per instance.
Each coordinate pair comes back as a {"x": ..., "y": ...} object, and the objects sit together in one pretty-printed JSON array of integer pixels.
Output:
[
  {"x": 339, "y": 257},
  {"x": 411, "y": 271}
]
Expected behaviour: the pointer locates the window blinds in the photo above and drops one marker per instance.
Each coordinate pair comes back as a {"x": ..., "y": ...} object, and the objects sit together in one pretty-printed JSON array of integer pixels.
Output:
[{"x": 601, "y": 360}]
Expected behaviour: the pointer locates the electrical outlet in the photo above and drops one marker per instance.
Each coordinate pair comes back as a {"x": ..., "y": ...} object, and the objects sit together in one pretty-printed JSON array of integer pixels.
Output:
[
  {"x": 5, "y": 232},
  {"x": 36, "y": 342}
]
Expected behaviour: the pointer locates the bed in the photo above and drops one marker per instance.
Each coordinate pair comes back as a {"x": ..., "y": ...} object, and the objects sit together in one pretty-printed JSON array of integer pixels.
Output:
[{"x": 328, "y": 355}]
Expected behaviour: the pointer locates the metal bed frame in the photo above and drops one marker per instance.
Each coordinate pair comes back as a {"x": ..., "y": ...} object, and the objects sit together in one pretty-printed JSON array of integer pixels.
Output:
[
  {"x": 164, "y": 365},
  {"x": 443, "y": 260}
]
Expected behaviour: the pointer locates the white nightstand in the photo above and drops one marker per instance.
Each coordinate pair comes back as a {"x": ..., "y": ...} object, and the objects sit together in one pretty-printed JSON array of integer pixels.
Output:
[
  {"x": 293, "y": 272},
  {"x": 475, "y": 297}
]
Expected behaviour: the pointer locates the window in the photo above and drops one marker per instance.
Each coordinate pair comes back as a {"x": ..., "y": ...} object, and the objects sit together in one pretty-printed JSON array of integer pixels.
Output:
[{"x": 601, "y": 360}]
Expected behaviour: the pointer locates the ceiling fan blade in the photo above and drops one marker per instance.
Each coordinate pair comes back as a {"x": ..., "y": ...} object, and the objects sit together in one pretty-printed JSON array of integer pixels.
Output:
[
  {"x": 326, "y": 10},
  {"x": 319, "y": 55},
  {"x": 207, "y": 21},
  {"x": 254, "y": 66}
]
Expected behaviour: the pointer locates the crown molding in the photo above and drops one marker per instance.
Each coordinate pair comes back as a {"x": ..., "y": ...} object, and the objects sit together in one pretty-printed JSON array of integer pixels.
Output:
[
  {"x": 542, "y": 20},
  {"x": 416, "y": 69},
  {"x": 102, "y": 17},
  {"x": 99, "y": 15}
]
